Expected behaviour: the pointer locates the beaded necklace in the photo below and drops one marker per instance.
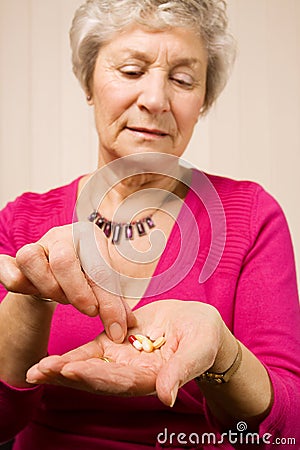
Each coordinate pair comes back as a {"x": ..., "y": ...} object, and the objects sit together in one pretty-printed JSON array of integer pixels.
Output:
[{"x": 114, "y": 229}]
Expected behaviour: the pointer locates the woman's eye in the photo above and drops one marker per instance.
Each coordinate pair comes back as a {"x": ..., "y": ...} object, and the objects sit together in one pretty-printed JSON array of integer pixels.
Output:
[
  {"x": 183, "y": 80},
  {"x": 131, "y": 71}
]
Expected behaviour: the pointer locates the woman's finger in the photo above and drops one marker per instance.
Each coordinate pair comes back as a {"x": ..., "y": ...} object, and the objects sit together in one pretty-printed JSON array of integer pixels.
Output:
[
  {"x": 65, "y": 267},
  {"x": 131, "y": 318},
  {"x": 61, "y": 273},
  {"x": 47, "y": 367},
  {"x": 36, "y": 375},
  {"x": 52, "y": 267},
  {"x": 111, "y": 378},
  {"x": 13, "y": 279},
  {"x": 103, "y": 279},
  {"x": 33, "y": 263},
  {"x": 53, "y": 364}
]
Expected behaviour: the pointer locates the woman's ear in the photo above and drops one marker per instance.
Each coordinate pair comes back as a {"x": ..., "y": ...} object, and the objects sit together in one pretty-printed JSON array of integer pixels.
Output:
[{"x": 89, "y": 99}]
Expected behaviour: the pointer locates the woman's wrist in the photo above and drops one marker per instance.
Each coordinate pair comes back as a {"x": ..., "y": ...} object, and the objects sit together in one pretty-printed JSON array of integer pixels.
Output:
[
  {"x": 223, "y": 376},
  {"x": 35, "y": 302},
  {"x": 24, "y": 335},
  {"x": 227, "y": 352}
]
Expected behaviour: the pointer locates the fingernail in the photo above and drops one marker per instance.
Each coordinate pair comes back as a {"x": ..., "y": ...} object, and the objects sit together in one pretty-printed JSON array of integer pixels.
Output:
[
  {"x": 174, "y": 395},
  {"x": 116, "y": 332},
  {"x": 68, "y": 373},
  {"x": 91, "y": 311},
  {"x": 31, "y": 381},
  {"x": 156, "y": 334}
]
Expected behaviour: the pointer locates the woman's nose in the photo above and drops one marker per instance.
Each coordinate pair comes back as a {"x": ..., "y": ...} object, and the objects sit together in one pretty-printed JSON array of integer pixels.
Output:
[{"x": 154, "y": 95}]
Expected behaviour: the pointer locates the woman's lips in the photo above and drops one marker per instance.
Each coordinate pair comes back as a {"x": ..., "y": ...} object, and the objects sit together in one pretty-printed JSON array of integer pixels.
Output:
[{"x": 148, "y": 132}]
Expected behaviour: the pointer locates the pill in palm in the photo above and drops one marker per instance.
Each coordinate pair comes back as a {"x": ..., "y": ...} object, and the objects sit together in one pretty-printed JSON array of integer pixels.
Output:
[
  {"x": 147, "y": 345},
  {"x": 135, "y": 342},
  {"x": 159, "y": 342},
  {"x": 140, "y": 337},
  {"x": 141, "y": 342}
]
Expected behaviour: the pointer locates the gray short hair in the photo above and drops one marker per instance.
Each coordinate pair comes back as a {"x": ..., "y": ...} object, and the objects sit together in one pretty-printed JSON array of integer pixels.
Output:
[{"x": 96, "y": 21}]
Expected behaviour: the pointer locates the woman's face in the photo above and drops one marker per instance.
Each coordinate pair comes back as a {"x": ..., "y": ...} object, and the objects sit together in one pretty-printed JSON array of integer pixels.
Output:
[{"x": 148, "y": 88}]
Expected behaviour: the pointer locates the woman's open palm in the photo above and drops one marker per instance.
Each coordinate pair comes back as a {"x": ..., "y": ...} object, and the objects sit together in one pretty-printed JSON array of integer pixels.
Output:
[{"x": 132, "y": 372}]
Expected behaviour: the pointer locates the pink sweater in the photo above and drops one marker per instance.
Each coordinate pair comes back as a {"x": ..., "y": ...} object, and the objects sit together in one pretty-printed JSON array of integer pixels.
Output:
[{"x": 253, "y": 287}]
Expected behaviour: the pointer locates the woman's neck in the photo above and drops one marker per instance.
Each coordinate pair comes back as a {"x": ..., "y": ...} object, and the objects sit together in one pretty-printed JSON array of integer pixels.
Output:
[{"x": 136, "y": 186}]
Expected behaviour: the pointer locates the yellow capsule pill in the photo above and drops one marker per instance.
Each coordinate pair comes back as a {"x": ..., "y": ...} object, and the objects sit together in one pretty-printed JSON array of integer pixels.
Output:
[
  {"x": 159, "y": 342},
  {"x": 147, "y": 345},
  {"x": 140, "y": 337}
]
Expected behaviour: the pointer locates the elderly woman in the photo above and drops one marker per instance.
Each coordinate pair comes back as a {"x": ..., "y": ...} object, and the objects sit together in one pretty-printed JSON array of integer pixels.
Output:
[{"x": 187, "y": 347}]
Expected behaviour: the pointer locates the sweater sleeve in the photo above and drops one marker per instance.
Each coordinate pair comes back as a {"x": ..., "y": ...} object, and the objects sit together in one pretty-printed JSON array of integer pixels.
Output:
[
  {"x": 20, "y": 224},
  {"x": 16, "y": 405},
  {"x": 267, "y": 318}
]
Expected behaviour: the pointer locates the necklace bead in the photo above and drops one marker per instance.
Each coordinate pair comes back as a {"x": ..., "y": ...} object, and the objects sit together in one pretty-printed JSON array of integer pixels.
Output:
[
  {"x": 100, "y": 222},
  {"x": 140, "y": 228},
  {"x": 116, "y": 233},
  {"x": 93, "y": 216},
  {"x": 107, "y": 229},
  {"x": 150, "y": 222},
  {"x": 128, "y": 231}
]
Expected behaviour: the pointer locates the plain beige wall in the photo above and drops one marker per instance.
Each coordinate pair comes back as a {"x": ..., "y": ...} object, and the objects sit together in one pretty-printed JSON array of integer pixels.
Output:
[{"x": 46, "y": 129}]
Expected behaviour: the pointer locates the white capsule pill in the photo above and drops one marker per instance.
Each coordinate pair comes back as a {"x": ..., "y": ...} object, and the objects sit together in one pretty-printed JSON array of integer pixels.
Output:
[
  {"x": 147, "y": 345},
  {"x": 133, "y": 341},
  {"x": 138, "y": 345}
]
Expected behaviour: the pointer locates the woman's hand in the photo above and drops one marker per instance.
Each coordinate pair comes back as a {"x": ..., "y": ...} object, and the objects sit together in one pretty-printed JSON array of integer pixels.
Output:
[
  {"x": 195, "y": 337},
  {"x": 51, "y": 268}
]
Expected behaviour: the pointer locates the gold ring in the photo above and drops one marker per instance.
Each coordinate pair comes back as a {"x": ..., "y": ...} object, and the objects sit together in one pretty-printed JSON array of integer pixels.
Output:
[{"x": 104, "y": 358}]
